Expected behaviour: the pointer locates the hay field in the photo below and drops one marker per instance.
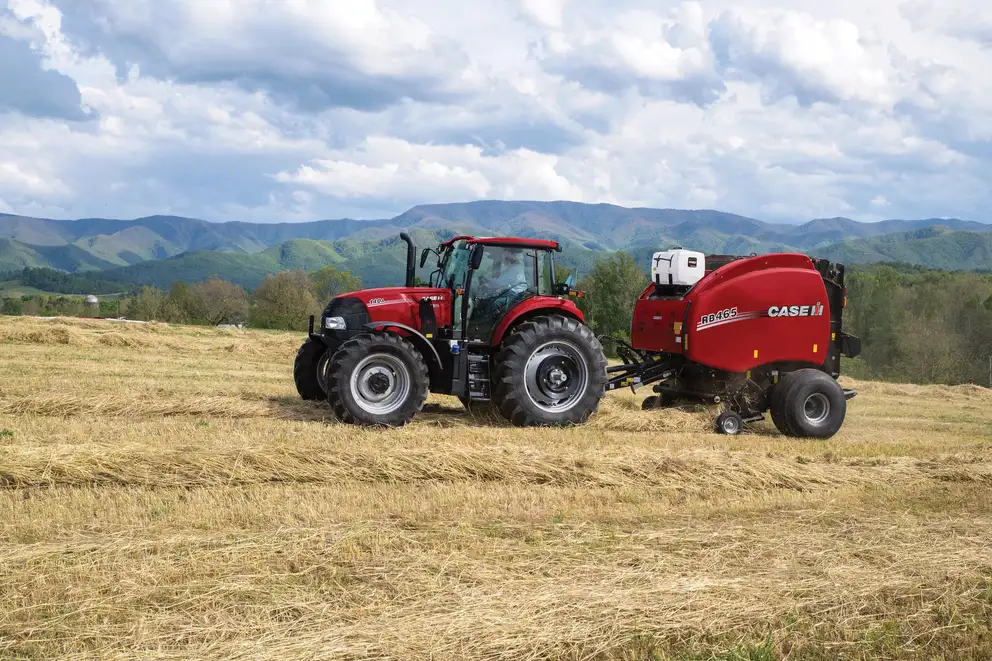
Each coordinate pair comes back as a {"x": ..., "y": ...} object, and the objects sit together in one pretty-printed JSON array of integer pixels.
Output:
[{"x": 165, "y": 495}]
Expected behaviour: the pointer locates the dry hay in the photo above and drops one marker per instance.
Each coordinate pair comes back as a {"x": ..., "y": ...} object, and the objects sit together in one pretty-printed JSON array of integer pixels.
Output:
[
  {"x": 955, "y": 393},
  {"x": 187, "y": 467},
  {"x": 72, "y": 405},
  {"x": 165, "y": 494}
]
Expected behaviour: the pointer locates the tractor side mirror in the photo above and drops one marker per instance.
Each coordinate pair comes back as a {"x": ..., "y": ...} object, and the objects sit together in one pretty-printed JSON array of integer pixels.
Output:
[
  {"x": 562, "y": 289},
  {"x": 475, "y": 259},
  {"x": 423, "y": 256}
]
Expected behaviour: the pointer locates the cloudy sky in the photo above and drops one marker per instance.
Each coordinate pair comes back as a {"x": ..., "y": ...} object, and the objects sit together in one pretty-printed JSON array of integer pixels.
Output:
[{"x": 273, "y": 110}]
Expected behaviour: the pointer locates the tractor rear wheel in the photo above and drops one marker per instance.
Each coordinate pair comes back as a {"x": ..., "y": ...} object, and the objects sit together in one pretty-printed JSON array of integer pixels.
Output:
[
  {"x": 551, "y": 371},
  {"x": 377, "y": 379},
  {"x": 809, "y": 403},
  {"x": 311, "y": 360}
]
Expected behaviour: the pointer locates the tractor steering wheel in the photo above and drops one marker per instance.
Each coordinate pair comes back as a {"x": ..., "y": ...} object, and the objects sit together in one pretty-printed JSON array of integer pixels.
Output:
[{"x": 499, "y": 303}]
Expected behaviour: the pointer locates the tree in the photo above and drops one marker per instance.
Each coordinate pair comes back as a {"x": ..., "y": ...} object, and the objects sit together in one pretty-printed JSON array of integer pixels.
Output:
[
  {"x": 12, "y": 306},
  {"x": 612, "y": 289},
  {"x": 218, "y": 301},
  {"x": 284, "y": 301},
  {"x": 329, "y": 282},
  {"x": 147, "y": 305},
  {"x": 178, "y": 307}
]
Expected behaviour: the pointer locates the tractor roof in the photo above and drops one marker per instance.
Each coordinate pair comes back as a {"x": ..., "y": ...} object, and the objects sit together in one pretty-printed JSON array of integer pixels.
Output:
[{"x": 541, "y": 244}]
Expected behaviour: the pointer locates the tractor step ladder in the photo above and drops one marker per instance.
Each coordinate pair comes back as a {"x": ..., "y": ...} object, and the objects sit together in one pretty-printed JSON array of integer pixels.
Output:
[{"x": 478, "y": 378}]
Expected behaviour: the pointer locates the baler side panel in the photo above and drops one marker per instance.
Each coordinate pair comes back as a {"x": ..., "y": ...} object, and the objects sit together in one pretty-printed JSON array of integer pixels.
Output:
[
  {"x": 657, "y": 324},
  {"x": 759, "y": 317}
]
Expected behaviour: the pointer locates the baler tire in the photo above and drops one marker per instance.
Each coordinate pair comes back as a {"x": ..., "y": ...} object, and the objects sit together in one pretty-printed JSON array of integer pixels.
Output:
[
  {"x": 729, "y": 423},
  {"x": 309, "y": 358},
  {"x": 814, "y": 405},
  {"x": 780, "y": 394},
  {"x": 577, "y": 346},
  {"x": 651, "y": 403},
  {"x": 389, "y": 354}
]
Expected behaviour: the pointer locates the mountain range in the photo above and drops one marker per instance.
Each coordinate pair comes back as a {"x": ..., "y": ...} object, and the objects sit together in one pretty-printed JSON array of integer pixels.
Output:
[{"x": 161, "y": 249}]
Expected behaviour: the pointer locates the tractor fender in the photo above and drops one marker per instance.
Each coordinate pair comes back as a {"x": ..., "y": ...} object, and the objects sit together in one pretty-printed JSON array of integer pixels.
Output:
[
  {"x": 424, "y": 346},
  {"x": 534, "y": 307}
]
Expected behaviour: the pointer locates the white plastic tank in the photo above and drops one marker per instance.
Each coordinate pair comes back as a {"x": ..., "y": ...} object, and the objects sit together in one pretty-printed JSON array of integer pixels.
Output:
[{"x": 678, "y": 266}]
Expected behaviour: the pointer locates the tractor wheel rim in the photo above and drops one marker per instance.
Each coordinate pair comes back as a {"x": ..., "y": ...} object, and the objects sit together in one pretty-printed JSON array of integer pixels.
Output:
[
  {"x": 380, "y": 383},
  {"x": 556, "y": 376},
  {"x": 322, "y": 370},
  {"x": 730, "y": 426},
  {"x": 816, "y": 408}
]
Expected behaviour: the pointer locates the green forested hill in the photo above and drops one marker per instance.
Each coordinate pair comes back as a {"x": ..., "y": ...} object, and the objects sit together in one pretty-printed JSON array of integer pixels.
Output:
[
  {"x": 162, "y": 249},
  {"x": 937, "y": 247}
]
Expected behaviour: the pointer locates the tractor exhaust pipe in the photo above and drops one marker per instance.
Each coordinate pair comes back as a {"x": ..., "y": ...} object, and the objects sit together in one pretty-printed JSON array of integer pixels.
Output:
[{"x": 411, "y": 259}]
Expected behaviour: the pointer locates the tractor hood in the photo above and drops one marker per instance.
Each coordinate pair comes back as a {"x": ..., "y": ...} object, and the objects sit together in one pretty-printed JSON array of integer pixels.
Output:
[
  {"x": 399, "y": 304},
  {"x": 393, "y": 295}
]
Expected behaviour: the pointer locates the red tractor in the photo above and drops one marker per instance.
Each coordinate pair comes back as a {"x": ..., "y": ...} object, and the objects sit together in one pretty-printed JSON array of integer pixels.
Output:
[
  {"x": 492, "y": 325},
  {"x": 752, "y": 333}
]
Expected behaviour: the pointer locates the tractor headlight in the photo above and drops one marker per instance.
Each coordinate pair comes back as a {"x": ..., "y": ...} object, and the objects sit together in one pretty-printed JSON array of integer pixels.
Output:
[{"x": 335, "y": 323}]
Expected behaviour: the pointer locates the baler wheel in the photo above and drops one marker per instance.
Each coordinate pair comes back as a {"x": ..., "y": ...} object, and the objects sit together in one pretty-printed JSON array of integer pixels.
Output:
[
  {"x": 311, "y": 359},
  {"x": 551, "y": 371},
  {"x": 377, "y": 379},
  {"x": 729, "y": 423},
  {"x": 808, "y": 403}
]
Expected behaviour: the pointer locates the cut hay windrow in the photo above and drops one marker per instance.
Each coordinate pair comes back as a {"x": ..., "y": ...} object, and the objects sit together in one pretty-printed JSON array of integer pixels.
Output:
[
  {"x": 115, "y": 405},
  {"x": 194, "y": 467}
]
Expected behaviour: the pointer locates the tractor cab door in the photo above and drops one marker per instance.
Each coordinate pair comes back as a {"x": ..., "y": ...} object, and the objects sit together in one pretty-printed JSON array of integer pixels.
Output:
[{"x": 506, "y": 276}]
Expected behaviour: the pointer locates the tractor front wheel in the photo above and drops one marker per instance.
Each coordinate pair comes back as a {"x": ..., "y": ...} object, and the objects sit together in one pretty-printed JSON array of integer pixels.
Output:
[
  {"x": 308, "y": 370},
  {"x": 551, "y": 371},
  {"x": 377, "y": 379}
]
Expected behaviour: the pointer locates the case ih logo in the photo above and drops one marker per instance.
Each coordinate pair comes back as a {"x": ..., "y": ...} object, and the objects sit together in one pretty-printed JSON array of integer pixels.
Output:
[
  {"x": 731, "y": 315},
  {"x": 795, "y": 310}
]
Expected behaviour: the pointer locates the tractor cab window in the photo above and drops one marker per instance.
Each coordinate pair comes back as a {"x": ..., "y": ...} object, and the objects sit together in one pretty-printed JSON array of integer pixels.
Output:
[
  {"x": 545, "y": 273},
  {"x": 455, "y": 266},
  {"x": 506, "y": 276}
]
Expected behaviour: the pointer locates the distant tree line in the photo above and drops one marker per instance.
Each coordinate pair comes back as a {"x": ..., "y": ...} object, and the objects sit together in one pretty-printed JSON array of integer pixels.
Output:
[
  {"x": 921, "y": 326},
  {"x": 282, "y": 301},
  {"x": 61, "y": 282}
]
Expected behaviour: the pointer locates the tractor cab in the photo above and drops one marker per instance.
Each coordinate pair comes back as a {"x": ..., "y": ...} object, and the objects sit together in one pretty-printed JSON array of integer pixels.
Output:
[{"x": 489, "y": 277}]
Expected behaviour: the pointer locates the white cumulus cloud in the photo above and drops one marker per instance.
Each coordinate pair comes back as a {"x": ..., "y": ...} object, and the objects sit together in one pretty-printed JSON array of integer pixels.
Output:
[{"x": 301, "y": 109}]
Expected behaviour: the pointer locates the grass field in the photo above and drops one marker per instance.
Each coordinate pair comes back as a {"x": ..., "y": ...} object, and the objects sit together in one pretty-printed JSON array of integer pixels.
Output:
[{"x": 165, "y": 495}]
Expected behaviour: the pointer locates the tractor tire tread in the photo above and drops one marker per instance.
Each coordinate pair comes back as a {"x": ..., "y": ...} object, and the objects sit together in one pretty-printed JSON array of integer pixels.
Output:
[
  {"x": 508, "y": 382},
  {"x": 354, "y": 350},
  {"x": 308, "y": 357}
]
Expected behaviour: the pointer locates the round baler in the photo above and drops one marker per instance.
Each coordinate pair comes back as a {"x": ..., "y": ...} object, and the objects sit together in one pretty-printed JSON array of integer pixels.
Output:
[{"x": 752, "y": 334}]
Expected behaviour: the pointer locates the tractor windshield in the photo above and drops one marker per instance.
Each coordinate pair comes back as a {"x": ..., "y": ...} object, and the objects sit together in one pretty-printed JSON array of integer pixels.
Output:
[
  {"x": 455, "y": 265},
  {"x": 507, "y": 275}
]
